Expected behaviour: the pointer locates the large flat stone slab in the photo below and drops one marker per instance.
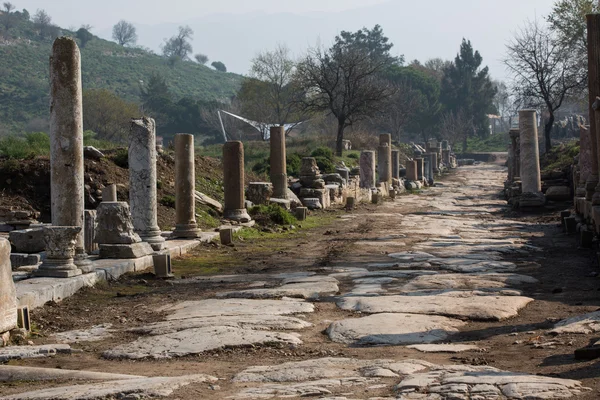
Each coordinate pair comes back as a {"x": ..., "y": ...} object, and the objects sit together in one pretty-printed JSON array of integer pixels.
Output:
[
  {"x": 472, "y": 382},
  {"x": 9, "y": 373},
  {"x": 471, "y": 305},
  {"x": 582, "y": 324},
  {"x": 223, "y": 307},
  {"x": 93, "y": 334},
  {"x": 491, "y": 282},
  {"x": 393, "y": 329},
  {"x": 259, "y": 322},
  {"x": 304, "y": 290},
  {"x": 196, "y": 341},
  {"x": 443, "y": 348},
  {"x": 120, "y": 389},
  {"x": 20, "y": 352}
]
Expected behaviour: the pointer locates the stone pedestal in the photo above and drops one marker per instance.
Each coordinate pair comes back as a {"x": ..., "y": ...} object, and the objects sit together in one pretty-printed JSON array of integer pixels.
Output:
[
  {"x": 90, "y": 231},
  {"x": 66, "y": 142},
  {"x": 531, "y": 184},
  {"x": 367, "y": 169},
  {"x": 142, "y": 181},
  {"x": 395, "y": 164},
  {"x": 185, "y": 187},
  {"x": 278, "y": 162},
  {"x": 411, "y": 170},
  {"x": 420, "y": 168},
  {"x": 233, "y": 180},
  {"x": 115, "y": 234},
  {"x": 259, "y": 193},
  {"x": 61, "y": 244},
  {"x": 446, "y": 158},
  {"x": 8, "y": 294},
  {"x": 109, "y": 193}
]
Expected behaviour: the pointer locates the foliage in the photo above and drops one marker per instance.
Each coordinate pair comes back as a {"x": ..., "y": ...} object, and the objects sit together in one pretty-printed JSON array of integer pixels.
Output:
[
  {"x": 326, "y": 165},
  {"x": 345, "y": 80},
  {"x": 495, "y": 142},
  {"x": 84, "y": 36},
  {"x": 293, "y": 164},
  {"x": 178, "y": 47},
  {"x": 219, "y": 66},
  {"x": 467, "y": 88},
  {"x": 262, "y": 167},
  {"x": 168, "y": 201},
  {"x": 322, "y": 152},
  {"x": 274, "y": 213},
  {"x": 201, "y": 58},
  {"x": 121, "y": 158},
  {"x": 544, "y": 71},
  {"x": 124, "y": 33},
  {"x": 107, "y": 114},
  {"x": 26, "y": 146},
  {"x": 43, "y": 23},
  {"x": 455, "y": 127},
  {"x": 8, "y": 17}
]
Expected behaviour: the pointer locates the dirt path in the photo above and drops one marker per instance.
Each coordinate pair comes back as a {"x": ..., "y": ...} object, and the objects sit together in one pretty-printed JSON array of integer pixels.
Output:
[{"x": 330, "y": 313}]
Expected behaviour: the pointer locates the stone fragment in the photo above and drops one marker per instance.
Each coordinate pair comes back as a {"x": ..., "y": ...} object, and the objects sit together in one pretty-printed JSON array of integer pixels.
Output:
[
  {"x": 20, "y": 352},
  {"x": 581, "y": 324},
  {"x": 27, "y": 240},
  {"x": 259, "y": 193},
  {"x": 558, "y": 193},
  {"x": 109, "y": 193},
  {"x": 203, "y": 199},
  {"x": 469, "y": 305},
  {"x": 312, "y": 203},
  {"x": 531, "y": 183},
  {"x": 443, "y": 348},
  {"x": 393, "y": 329},
  {"x": 114, "y": 225},
  {"x": 93, "y": 334},
  {"x": 138, "y": 388},
  {"x": 24, "y": 260},
  {"x": 196, "y": 341},
  {"x": 125, "y": 251},
  {"x": 8, "y": 295},
  {"x": 92, "y": 153}
]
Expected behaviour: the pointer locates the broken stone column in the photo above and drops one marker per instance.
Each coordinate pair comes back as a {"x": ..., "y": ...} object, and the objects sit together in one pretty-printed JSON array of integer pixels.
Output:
[
  {"x": 411, "y": 170},
  {"x": 8, "y": 294},
  {"x": 233, "y": 180},
  {"x": 395, "y": 164},
  {"x": 531, "y": 182},
  {"x": 436, "y": 162},
  {"x": 514, "y": 141},
  {"x": 278, "y": 162},
  {"x": 142, "y": 181},
  {"x": 109, "y": 193},
  {"x": 66, "y": 142},
  {"x": 431, "y": 160},
  {"x": 420, "y": 168},
  {"x": 61, "y": 248},
  {"x": 115, "y": 234},
  {"x": 367, "y": 169},
  {"x": 446, "y": 157},
  {"x": 185, "y": 187},
  {"x": 585, "y": 164},
  {"x": 90, "y": 231},
  {"x": 384, "y": 158}
]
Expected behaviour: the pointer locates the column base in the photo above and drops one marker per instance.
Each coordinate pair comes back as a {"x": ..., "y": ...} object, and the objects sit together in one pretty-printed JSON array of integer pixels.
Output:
[
  {"x": 186, "y": 231},
  {"x": 57, "y": 268},
  {"x": 125, "y": 251},
  {"x": 240, "y": 215},
  {"x": 532, "y": 200},
  {"x": 153, "y": 238},
  {"x": 82, "y": 261}
]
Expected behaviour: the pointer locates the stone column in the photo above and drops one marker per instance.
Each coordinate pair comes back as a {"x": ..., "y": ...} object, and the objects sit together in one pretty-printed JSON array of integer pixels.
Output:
[
  {"x": 384, "y": 158},
  {"x": 109, "y": 193},
  {"x": 278, "y": 162},
  {"x": 516, "y": 160},
  {"x": 66, "y": 142},
  {"x": 90, "y": 231},
  {"x": 8, "y": 293},
  {"x": 233, "y": 180},
  {"x": 436, "y": 162},
  {"x": 446, "y": 157},
  {"x": 367, "y": 169},
  {"x": 592, "y": 186},
  {"x": 510, "y": 161},
  {"x": 531, "y": 182},
  {"x": 445, "y": 145},
  {"x": 396, "y": 164},
  {"x": 411, "y": 170},
  {"x": 585, "y": 163},
  {"x": 142, "y": 181},
  {"x": 185, "y": 187},
  {"x": 432, "y": 158},
  {"x": 420, "y": 168}
]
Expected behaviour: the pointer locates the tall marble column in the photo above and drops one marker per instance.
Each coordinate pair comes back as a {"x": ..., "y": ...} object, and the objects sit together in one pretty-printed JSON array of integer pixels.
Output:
[
  {"x": 592, "y": 185},
  {"x": 185, "y": 187},
  {"x": 384, "y": 158},
  {"x": 367, "y": 169},
  {"x": 531, "y": 182},
  {"x": 66, "y": 144},
  {"x": 278, "y": 162},
  {"x": 142, "y": 181},
  {"x": 396, "y": 164},
  {"x": 233, "y": 181},
  {"x": 420, "y": 168}
]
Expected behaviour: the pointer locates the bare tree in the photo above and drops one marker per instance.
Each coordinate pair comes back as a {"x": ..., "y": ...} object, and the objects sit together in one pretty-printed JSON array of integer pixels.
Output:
[
  {"x": 43, "y": 23},
  {"x": 201, "y": 58},
  {"x": 400, "y": 109},
  {"x": 124, "y": 33},
  {"x": 343, "y": 81},
  {"x": 179, "y": 46},
  {"x": 7, "y": 16},
  {"x": 544, "y": 71},
  {"x": 455, "y": 127}
]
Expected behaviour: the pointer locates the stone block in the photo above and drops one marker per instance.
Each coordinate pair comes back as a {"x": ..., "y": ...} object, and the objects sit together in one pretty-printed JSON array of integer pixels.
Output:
[
  {"x": 283, "y": 203},
  {"x": 294, "y": 200},
  {"x": 301, "y": 213},
  {"x": 8, "y": 294},
  {"x": 92, "y": 153},
  {"x": 312, "y": 203},
  {"x": 89, "y": 231},
  {"x": 558, "y": 193},
  {"x": 259, "y": 192},
  {"x": 226, "y": 236},
  {"x": 570, "y": 224},
  {"x": 23, "y": 319},
  {"x": 121, "y": 251},
  {"x": 162, "y": 265},
  {"x": 24, "y": 260},
  {"x": 27, "y": 240},
  {"x": 334, "y": 178}
]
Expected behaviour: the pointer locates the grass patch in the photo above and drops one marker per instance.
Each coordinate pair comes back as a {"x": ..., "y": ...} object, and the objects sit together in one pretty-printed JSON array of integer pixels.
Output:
[
  {"x": 272, "y": 214},
  {"x": 560, "y": 156},
  {"x": 203, "y": 261},
  {"x": 492, "y": 143}
]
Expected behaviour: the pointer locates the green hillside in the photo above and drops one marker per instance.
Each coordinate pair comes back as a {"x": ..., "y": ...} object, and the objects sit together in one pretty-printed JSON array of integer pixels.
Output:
[{"x": 24, "y": 74}]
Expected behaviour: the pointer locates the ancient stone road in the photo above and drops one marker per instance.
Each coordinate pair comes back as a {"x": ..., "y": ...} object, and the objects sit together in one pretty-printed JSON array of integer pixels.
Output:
[{"x": 426, "y": 269}]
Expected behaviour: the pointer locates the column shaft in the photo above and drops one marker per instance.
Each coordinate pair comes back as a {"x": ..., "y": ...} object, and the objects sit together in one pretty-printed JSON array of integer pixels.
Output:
[{"x": 185, "y": 188}]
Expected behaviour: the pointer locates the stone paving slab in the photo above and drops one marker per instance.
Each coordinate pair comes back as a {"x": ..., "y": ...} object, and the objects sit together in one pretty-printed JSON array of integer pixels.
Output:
[
  {"x": 196, "y": 341},
  {"x": 393, "y": 329},
  {"x": 471, "y": 305},
  {"x": 20, "y": 352},
  {"x": 120, "y": 389},
  {"x": 94, "y": 334},
  {"x": 9, "y": 373},
  {"x": 443, "y": 348},
  {"x": 224, "y": 307},
  {"x": 581, "y": 324},
  {"x": 491, "y": 282},
  {"x": 304, "y": 290}
]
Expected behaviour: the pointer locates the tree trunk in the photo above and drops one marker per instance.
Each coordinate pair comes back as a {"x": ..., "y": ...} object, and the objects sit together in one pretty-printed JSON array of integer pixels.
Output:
[
  {"x": 548, "y": 131},
  {"x": 339, "y": 145},
  {"x": 465, "y": 144}
]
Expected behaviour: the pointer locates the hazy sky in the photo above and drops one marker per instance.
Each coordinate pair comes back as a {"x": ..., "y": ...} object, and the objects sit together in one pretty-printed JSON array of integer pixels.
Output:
[{"x": 233, "y": 31}]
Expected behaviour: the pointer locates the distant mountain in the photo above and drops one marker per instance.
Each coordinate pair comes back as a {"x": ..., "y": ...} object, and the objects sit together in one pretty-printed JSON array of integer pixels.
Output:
[{"x": 24, "y": 85}]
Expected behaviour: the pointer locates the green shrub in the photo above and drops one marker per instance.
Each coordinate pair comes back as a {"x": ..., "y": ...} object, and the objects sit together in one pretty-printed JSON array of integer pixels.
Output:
[
  {"x": 356, "y": 156},
  {"x": 293, "y": 162},
  {"x": 26, "y": 146},
  {"x": 168, "y": 201},
  {"x": 325, "y": 165},
  {"x": 324, "y": 152},
  {"x": 274, "y": 213},
  {"x": 121, "y": 158},
  {"x": 262, "y": 167}
]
